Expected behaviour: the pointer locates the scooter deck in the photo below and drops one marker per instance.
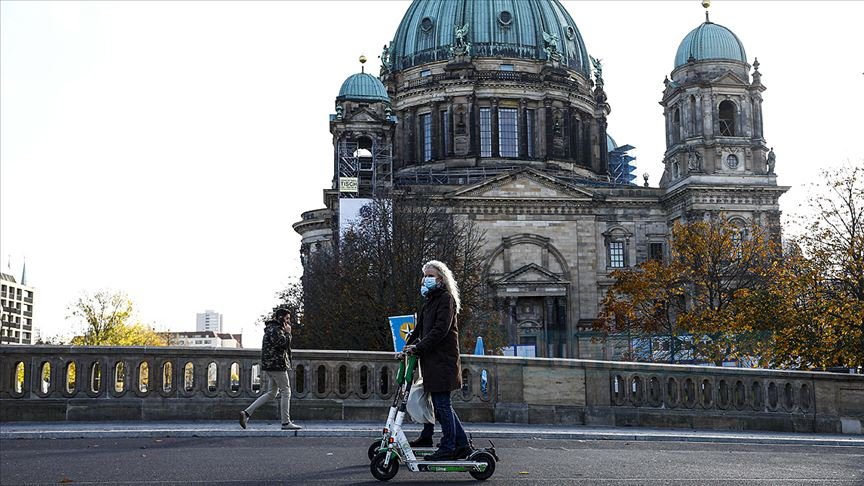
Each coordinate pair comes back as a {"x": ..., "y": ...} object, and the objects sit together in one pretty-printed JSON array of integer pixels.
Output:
[{"x": 454, "y": 466}]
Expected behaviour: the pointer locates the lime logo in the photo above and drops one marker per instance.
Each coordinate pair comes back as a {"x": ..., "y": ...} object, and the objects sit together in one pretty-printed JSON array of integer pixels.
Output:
[{"x": 404, "y": 329}]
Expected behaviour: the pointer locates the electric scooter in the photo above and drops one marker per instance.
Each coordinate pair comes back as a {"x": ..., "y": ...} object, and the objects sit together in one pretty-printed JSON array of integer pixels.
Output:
[
  {"x": 402, "y": 387},
  {"x": 480, "y": 464}
]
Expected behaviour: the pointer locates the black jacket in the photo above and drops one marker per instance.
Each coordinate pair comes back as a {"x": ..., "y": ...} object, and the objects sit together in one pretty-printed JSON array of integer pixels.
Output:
[
  {"x": 436, "y": 338},
  {"x": 275, "y": 348}
]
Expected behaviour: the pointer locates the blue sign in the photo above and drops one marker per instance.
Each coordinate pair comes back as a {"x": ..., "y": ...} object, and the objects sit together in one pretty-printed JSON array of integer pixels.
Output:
[{"x": 400, "y": 326}]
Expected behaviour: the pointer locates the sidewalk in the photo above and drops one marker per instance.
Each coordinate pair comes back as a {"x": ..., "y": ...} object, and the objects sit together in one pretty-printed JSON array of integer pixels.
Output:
[{"x": 270, "y": 428}]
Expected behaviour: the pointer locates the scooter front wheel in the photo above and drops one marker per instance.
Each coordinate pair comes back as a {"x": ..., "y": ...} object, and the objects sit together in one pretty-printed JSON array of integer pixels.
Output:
[
  {"x": 382, "y": 472},
  {"x": 373, "y": 449},
  {"x": 484, "y": 457}
]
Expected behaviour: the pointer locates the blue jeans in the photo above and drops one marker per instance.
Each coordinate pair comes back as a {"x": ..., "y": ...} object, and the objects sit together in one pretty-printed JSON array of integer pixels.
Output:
[{"x": 452, "y": 433}]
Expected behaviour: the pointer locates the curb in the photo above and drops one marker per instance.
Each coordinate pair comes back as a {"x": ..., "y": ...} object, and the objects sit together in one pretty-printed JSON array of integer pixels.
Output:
[{"x": 478, "y": 433}]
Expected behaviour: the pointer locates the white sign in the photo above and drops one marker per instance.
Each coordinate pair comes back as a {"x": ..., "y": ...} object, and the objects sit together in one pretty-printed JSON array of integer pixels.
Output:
[{"x": 349, "y": 184}]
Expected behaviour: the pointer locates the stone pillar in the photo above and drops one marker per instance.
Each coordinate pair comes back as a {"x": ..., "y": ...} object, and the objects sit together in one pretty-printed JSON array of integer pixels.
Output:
[
  {"x": 450, "y": 147},
  {"x": 411, "y": 136},
  {"x": 548, "y": 128},
  {"x": 523, "y": 128}
]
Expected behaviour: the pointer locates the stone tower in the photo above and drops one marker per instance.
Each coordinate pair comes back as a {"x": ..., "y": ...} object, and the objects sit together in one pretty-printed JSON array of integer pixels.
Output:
[{"x": 716, "y": 158}]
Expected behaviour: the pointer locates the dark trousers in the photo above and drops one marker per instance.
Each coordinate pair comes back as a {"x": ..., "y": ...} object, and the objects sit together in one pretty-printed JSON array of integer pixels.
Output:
[{"x": 452, "y": 433}]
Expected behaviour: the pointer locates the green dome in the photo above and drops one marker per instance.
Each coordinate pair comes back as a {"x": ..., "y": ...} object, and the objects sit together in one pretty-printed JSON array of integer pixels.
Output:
[
  {"x": 363, "y": 87},
  {"x": 496, "y": 28},
  {"x": 710, "y": 41}
]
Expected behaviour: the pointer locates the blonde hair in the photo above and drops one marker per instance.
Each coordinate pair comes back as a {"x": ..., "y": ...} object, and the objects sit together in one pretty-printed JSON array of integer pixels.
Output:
[{"x": 449, "y": 281}]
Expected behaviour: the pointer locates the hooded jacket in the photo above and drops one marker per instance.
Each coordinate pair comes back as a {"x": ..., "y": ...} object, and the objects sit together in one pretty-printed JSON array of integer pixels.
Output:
[{"x": 275, "y": 348}]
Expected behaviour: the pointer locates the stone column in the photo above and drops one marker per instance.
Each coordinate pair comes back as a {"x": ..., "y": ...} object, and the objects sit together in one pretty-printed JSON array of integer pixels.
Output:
[
  {"x": 523, "y": 128},
  {"x": 450, "y": 133},
  {"x": 548, "y": 128},
  {"x": 411, "y": 136}
]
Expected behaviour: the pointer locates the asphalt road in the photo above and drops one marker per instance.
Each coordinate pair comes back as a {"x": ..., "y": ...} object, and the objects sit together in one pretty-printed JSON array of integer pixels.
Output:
[{"x": 303, "y": 460}]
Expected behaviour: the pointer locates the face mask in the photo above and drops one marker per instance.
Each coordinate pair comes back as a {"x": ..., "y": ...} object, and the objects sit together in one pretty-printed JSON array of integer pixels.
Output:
[{"x": 429, "y": 283}]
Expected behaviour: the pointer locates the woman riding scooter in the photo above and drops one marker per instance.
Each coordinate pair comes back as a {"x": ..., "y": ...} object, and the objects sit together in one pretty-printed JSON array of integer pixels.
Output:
[{"x": 436, "y": 342}]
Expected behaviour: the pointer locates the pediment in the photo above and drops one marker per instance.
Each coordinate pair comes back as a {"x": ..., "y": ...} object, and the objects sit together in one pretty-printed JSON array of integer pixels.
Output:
[
  {"x": 524, "y": 184},
  {"x": 729, "y": 78},
  {"x": 363, "y": 116},
  {"x": 529, "y": 274}
]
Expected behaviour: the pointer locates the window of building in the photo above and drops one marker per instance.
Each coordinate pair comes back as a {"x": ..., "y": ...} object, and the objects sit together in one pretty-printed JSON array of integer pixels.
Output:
[
  {"x": 676, "y": 125},
  {"x": 506, "y": 67},
  {"x": 529, "y": 129},
  {"x": 727, "y": 118},
  {"x": 485, "y": 132},
  {"x": 426, "y": 130},
  {"x": 692, "y": 127},
  {"x": 508, "y": 132},
  {"x": 655, "y": 251},
  {"x": 425, "y": 73},
  {"x": 616, "y": 254},
  {"x": 445, "y": 132}
]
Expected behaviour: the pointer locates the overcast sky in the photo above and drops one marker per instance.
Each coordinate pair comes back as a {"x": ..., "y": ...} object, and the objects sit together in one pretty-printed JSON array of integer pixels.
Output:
[{"x": 165, "y": 148}]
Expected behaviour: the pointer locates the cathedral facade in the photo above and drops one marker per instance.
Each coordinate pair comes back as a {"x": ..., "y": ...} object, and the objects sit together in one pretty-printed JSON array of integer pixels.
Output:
[{"x": 495, "y": 109}]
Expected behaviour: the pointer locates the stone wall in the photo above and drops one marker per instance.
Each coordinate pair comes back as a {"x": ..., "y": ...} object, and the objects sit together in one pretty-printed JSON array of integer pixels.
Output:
[{"x": 44, "y": 383}]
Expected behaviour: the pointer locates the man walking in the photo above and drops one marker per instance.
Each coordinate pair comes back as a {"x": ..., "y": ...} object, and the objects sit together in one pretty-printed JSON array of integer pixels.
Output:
[{"x": 275, "y": 362}]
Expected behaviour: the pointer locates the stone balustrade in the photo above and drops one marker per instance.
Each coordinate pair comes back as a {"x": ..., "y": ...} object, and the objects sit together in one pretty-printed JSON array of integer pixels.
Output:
[{"x": 40, "y": 383}]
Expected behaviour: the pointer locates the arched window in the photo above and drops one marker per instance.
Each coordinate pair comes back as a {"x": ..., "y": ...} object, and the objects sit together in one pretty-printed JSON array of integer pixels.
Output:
[
  {"x": 692, "y": 131},
  {"x": 676, "y": 125},
  {"x": 727, "y": 118}
]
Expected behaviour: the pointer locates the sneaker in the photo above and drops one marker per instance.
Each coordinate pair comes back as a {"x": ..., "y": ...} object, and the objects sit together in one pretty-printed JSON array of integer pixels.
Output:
[
  {"x": 440, "y": 455},
  {"x": 462, "y": 452},
  {"x": 421, "y": 442},
  {"x": 290, "y": 426},
  {"x": 244, "y": 418}
]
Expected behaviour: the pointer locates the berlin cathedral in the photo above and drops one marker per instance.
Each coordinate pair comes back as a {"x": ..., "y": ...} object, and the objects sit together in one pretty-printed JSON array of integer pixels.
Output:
[{"x": 496, "y": 109}]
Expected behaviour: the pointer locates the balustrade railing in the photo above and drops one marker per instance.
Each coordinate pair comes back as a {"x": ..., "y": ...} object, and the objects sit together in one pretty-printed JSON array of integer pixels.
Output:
[{"x": 103, "y": 383}]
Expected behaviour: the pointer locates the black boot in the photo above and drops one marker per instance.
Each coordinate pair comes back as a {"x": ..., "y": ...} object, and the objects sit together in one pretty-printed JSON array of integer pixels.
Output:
[
  {"x": 421, "y": 442},
  {"x": 440, "y": 455},
  {"x": 463, "y": 452}
]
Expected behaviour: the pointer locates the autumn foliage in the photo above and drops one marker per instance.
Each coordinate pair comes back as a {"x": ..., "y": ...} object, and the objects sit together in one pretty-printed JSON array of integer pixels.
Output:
[{"x": 728, "y": 291}]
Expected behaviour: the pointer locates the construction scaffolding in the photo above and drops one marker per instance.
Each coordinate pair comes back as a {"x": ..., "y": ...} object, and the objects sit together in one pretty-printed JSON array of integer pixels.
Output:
[{"x": 363, "y": 172}]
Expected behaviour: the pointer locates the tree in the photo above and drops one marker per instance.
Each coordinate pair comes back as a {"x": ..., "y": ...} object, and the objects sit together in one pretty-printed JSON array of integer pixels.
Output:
[
  {"x": 823, "y": 295},
  {"x": 374, "y": 273},
  {"x": 106, "y": 318},
  {"x": 712, "y": 289}
]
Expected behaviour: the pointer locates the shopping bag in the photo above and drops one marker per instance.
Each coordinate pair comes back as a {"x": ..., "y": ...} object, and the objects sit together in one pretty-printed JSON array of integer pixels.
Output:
[{"x": 419, "y": 404}]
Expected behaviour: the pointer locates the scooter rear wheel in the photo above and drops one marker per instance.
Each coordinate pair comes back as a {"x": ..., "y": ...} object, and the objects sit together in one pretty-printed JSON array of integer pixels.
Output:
[
  {"x": 490, "y": 465},
  {"x": 373, "y": 449},
  {"x": 382, "y": 472}
]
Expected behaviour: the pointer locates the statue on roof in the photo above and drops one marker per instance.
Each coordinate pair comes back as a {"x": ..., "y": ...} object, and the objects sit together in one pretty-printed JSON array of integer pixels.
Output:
[
  {"x": 550, "y": 45},
  {"x": 461, "y": 46},
  {"x": 385, "y": 59},
  {"x": 598, "y": 71},
  {"x": 772, "y": 160}
]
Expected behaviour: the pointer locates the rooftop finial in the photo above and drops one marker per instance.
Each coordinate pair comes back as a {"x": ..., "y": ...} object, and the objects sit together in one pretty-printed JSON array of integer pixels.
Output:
[
  {"x": 362, "y": 62},
  {"x": 706, "y": 4}
]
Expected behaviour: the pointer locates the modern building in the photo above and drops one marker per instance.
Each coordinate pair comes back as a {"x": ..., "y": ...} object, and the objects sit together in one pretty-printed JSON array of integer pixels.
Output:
[
  {"x": 16, "y": 318},
  {"x": 209, "y": 339},
  {"x": 209, "y": 320},
  {"x": 494, "y": 109}
]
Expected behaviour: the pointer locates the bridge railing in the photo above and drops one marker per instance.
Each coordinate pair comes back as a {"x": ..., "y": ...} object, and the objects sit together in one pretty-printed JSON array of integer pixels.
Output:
[{"x": 171, "y": 383}]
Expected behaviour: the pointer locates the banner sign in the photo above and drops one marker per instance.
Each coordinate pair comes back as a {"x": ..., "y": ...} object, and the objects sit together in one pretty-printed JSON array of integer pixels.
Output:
[
  {"x": 349, "y": 184},
  {"x": 400, "y": 326}
]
